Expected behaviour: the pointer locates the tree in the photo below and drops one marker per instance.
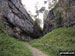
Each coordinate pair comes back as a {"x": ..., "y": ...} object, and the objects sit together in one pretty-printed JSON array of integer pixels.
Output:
[
  {"x": 58, "y": 19},
  {"x": 45, "y": 2},
  {"x": 38, "y": 21},
  {"x": 37, "y": 11},
  {"x": 52, "y": 3},
  {"x": 42, "y": 9}
]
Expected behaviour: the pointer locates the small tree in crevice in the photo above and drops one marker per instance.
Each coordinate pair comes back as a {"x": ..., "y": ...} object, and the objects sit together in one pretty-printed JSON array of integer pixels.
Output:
[{"x": 58, "y": 19}]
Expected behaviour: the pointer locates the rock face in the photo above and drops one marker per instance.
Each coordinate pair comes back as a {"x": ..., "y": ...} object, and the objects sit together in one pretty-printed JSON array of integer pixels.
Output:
[
  {"x": 49, "y": 24},
  {"x": 62, "y": 15},
  {"x": 67, "y": 8},
  {"x": 19, "y": 24},
  {"x": 16, "y": 19}
]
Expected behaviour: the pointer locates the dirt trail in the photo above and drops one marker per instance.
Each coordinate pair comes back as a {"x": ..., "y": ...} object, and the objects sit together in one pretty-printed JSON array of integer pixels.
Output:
[{"x": 35, "y": 52}]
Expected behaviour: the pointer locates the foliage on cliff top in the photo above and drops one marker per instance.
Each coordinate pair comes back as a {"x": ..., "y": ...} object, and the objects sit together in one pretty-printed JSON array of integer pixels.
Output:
[{"x": 62, "y": 39}]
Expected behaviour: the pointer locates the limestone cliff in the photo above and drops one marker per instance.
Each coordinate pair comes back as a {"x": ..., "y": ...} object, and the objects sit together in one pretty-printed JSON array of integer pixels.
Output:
[
  {"x": 62, "y": 15},
  {"x": 17, "y": 21}
]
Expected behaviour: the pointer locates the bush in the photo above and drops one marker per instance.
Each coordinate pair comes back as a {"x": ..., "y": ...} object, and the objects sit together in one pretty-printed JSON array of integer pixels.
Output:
[
  {"x": 2, "y": 27},
  {"x": 57, "y": 18}
]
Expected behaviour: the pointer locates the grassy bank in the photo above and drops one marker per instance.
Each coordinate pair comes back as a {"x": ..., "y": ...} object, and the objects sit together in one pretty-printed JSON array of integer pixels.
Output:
[
  {"x": 11, "y": 47},
  {"x": 62, "y": 39}
]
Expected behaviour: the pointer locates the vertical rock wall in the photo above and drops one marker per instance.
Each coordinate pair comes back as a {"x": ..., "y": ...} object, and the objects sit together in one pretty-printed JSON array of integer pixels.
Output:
[
  {"x": 62, "y": 15},
  {"x": 17, "y": 21}
]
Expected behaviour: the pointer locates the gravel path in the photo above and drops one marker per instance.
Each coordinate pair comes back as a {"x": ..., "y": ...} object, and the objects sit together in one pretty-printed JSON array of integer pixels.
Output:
[{"x": 35, "y": 52}]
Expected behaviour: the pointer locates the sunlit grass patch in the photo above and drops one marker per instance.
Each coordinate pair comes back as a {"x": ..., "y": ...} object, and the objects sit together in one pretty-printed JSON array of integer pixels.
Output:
[{"x": 62, "y": 39}]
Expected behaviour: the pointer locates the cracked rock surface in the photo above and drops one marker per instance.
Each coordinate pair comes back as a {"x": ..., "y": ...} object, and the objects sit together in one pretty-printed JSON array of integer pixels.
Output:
[{"x": 16, "y": 19}]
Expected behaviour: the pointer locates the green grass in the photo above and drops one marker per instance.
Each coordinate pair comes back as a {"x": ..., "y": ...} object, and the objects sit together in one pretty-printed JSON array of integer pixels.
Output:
[
  {"x": 62, "y": 39},
  {"x": 2, "y": 27},
  {"x": 11, "y": 47}
]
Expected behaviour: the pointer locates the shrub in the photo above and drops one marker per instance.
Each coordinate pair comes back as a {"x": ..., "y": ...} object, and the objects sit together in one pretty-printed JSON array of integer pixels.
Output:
[{"x": 58, "y": 18}]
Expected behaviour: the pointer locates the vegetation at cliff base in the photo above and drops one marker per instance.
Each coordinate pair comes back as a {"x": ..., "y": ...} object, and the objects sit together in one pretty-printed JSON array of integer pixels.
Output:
[
  {"x": 37, "y": 27},
  {"x": 11, "y": 47},
  {"x": 2, "y": 27},
  {"x": 61, "y": 39}
]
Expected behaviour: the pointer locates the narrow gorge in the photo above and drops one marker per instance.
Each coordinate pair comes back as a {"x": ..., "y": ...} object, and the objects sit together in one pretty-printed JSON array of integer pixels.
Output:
[
  {"x": 18, "y": 22},
  {"x": 20, "y": 35}
]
